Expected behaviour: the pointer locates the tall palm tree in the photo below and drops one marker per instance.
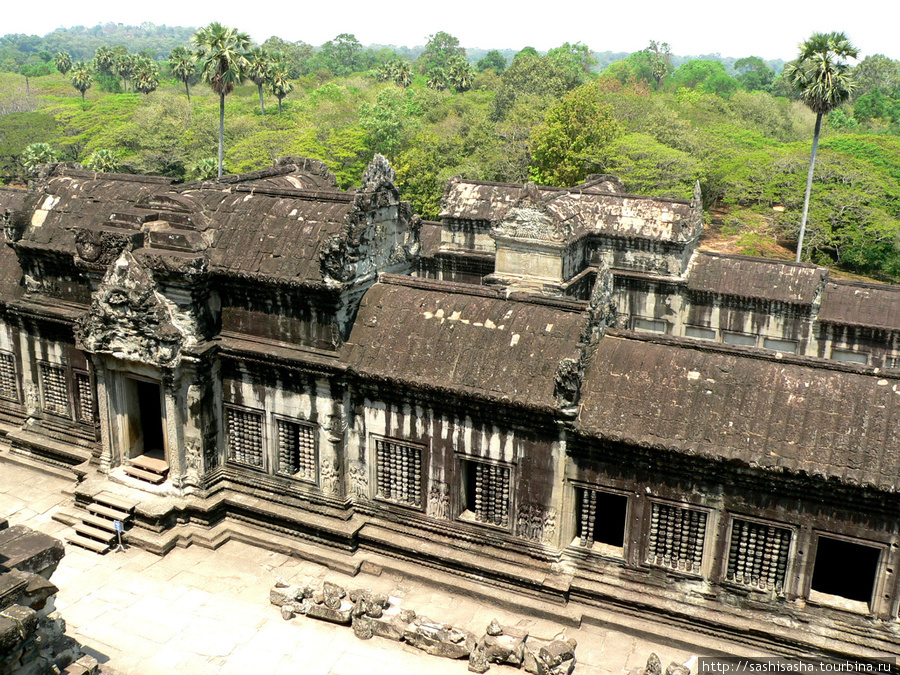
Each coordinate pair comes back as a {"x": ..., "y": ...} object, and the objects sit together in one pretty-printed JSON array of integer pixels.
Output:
[
  {"x": 81, "y": 78},
  {"x": 181, "y": 61},
  {"x": 37, "y": 154},
  {"x": 259, "y": 70},
  {"x": 63, "y": 62},
  {"x": 822, "y": 77},
  {"x": 146, "y": 75},
  {"x": 459, "y": 72},
  {"x": 103, "y": 59},
  {"x": 124, "y": 65},
  {"x": 281, "y": 86},
  {"x": 220, "y": 52}
]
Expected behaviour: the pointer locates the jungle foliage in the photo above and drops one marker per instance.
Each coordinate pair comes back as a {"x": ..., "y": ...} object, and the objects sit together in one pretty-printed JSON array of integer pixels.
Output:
[{"x": 659, "y": 122}]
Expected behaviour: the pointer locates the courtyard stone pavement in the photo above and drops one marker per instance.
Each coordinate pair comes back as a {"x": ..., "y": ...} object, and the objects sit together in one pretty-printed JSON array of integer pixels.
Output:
[{"x": 201, "y": 611}]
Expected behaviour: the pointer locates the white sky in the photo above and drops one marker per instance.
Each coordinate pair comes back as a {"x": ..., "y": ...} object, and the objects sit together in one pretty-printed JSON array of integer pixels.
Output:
[{"x": 771, "y": 29}]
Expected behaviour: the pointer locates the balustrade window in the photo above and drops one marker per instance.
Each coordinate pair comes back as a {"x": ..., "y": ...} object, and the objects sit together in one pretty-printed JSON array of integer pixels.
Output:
[
  {"x": 676, "y": 539},
  {"x": 84, "y": 398},
  {"x": 399, "y": 472},
  {"x": 9, "y": 378},
  {"x": 296, "y": 450},
  {"x": 54, "y": 392},
  {"x": 244, "y": 436},
  {"x": 758, "y": 555},
  {"x": 487, "y": 492}
]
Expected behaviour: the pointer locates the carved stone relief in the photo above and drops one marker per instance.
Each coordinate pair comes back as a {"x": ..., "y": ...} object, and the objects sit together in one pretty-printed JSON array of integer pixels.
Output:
[
  {"x": 439, "y": 500},
  {"x": 535, "y": 523},
  {"x": 359, "y": 481}
]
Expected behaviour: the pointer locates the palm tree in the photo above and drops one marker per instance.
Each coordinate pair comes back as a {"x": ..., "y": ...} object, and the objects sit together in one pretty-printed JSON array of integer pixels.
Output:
[
  {"x": 822, "y": 77},
  {"x": 81, "y": 78},
  {"x": 104, "y": 58},
  {"x": 459, "y": 73},
  {"x": 123, "y": 65},
  {"x": 103, "y": 160},
  {"x": 37, "y": 154},
  {"x": 281, "y": 86},
  {"x": 220, "y": 51},
  {"x": 259, "y": 70},
  {"x": 63, "y": 61},
  {"x": 146, "y": 75},
  {"x": 182, "y": 63}
]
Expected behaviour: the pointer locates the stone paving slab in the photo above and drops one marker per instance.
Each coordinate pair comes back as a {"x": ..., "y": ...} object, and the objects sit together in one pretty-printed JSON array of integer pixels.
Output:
[{"x": 200, "y": 611}]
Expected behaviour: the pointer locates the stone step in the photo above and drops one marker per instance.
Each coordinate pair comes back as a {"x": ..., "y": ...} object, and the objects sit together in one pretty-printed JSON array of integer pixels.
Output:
[
  {"x": 103, "y": 536},
  {"x": 147, "y": 476},
  {"x": 98, "y": 522},
  {"x": 150, "y": 464},
  {"x": 89, "y": 544},
  {"x": 107, "y": 512},
  {"x": 115, "y": 501}
]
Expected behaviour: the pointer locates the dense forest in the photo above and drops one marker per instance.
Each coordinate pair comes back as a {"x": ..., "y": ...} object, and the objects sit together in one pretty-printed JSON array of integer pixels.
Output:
[{"x": 134, "y": 100}]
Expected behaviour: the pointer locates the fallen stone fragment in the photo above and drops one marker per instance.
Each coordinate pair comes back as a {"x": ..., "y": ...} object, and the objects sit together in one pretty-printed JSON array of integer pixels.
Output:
[
  {"x": 363, "y": 627},
  {"x": 439, "y": 639},
  {"x": 341, "y": 615},
  {"x": 677, "y": 669},
  {"x": 654, "y": 667},
  {"x": 332, "y": 595}
]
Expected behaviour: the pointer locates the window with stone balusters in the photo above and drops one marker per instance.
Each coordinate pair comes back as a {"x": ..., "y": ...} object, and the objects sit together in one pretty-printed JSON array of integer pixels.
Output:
[
  {"x": 486, "y": 493},
  {"x": 676, "y": 538},
  {"x": 54, "y": 391},
  {"x": 296, "y": 449},
  {"x": 245, "y": 438},
  {"x": 84, "y": 398},
  {"x": 9, "y": 378},
  {"x": 758, "y": 555},
  {"x": 398, "y": 472}
]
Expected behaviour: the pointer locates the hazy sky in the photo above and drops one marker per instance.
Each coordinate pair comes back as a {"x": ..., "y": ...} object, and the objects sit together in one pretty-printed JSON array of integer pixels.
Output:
[{"x": 770, "y": 29}]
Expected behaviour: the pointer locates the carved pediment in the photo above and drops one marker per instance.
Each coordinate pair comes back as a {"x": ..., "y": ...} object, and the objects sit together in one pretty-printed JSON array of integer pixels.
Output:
[{"x": 130, "y": 319}]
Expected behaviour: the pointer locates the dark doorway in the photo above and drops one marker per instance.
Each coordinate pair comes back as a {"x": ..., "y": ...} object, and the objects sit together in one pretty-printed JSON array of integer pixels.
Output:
[
  {"x": 845, "y": 569},
  {"x": 151, "y": 419}
]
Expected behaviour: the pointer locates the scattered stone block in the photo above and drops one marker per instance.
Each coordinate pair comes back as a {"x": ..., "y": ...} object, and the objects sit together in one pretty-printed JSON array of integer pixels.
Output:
[
  {"x": 332, "y": 595},
  {"x": 439, "y": 639},
  {"x": 340, "y": 615},
  {"x": 654, "y": 666},
  {"x": 677, "y": 669}
]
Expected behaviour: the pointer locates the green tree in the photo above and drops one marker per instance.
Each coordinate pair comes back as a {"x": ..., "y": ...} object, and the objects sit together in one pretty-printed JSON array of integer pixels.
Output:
[
  {"x": 343, "y": 55},
  {"x": 706, "y": 76},
  {"x": 875, "y": 72},
  {"x": 754, "y": 74},
  {"x": 146, "y": 75},
  {"x": 259, "y": 71},
  {"x": 103, "y": 160},
  {"x": 459, "y": 74},
  {"x": 124, "y": 65},
  {"x": 821, "y": 76},
  {"x": 574, "y": 139},
  {"x": 63, "y": 61},
  {"x": 395, "y": 70},
  {"x": 439, "y": 50},
  {"x": 37, "y": 154},
  {"x": 493, "y": 60},
  {"x": 104, "y": 59},
  {"x": 281, "y": 85},
  {"x": 181, "y": 61},
  {"x": 81, "y": 78},
  {"x": 220, "y": 51}
]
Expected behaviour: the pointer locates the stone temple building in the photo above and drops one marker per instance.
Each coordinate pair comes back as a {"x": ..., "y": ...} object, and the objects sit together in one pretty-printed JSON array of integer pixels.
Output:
[{"x": 550, "y": 391}]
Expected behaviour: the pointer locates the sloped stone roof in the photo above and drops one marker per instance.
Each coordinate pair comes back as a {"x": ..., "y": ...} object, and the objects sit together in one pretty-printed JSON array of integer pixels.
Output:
[
  {"x": 757, "y": 278},
  {"x": 465, "y": 340},
  {"x": 861, "y": 304},
  {"x": 73, "y": 198},
  {"x": 584, "y": 209},
  {"x": 270, "y": 232},
  {"x": 789, "y": 414}
]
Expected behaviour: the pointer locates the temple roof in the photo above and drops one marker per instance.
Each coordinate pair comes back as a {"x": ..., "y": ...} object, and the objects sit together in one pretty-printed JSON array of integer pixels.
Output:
[
  {"x": 861, "y": 304},
  {"x": 464, "y": 340},
  {"x": 791, "y": 413},
  {"x": 589, "y": 208},
  {"x": 746, "y": 277}
]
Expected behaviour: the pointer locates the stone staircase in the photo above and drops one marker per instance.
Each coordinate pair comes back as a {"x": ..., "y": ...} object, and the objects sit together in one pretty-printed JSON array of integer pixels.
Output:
[
  {"x": 96, "y": 529},
  {"x": 147, "y": 469}
]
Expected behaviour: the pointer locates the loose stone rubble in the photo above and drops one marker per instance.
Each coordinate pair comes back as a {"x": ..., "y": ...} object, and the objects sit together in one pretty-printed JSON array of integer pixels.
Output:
[
  {"x": 375, "y": 614},
  {"x": 32, "y": 635}
]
